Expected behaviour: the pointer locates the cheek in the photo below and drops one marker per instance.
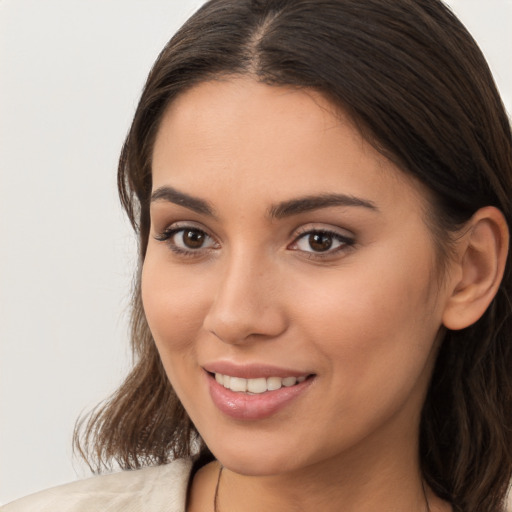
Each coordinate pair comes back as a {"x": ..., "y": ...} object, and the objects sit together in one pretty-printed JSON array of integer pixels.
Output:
[
  {"x": 375, "y": 327},
  {"x": 173, "y": 305}
]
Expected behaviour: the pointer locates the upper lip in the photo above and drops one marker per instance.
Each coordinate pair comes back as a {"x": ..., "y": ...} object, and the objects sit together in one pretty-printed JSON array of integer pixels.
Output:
[{"x": 252, "y": 370}]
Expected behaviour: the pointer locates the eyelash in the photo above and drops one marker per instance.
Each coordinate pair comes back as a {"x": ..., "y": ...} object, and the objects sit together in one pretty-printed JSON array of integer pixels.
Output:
[
  {"x": 168, "y": 234},
  {"x": 344, "y": 241}
]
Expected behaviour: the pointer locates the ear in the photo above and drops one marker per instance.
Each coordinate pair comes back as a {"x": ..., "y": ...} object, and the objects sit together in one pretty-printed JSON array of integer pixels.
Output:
[{"x": 481, "y": 258}]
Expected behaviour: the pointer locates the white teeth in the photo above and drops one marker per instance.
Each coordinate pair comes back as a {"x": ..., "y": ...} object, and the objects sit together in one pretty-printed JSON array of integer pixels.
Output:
[
  {"x": 274, "y": 383},
  {"x": 259, "y": 385},
  {"x": 237, "y": 384},
  {"x": 256, "y": 385},
  {"x": 289, "y": 381}
]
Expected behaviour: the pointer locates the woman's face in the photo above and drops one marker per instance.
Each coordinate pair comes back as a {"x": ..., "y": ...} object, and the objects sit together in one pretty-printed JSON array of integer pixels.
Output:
[{"x": 289, "y": 259}]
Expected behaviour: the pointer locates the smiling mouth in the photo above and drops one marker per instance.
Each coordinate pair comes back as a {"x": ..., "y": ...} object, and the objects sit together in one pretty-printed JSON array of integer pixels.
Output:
[{"x": 259, "y": 385}]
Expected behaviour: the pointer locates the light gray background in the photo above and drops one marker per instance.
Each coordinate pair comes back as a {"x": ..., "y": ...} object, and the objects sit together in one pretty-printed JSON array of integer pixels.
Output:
[{"x": 70, "y": 75}]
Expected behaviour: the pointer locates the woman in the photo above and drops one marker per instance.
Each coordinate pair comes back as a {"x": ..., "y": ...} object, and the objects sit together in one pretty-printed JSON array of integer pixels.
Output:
[{"x": 322, "y": 314}]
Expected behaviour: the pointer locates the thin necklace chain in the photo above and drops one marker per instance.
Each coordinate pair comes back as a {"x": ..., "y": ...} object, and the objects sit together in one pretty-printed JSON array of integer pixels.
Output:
[{"x": 216, "y": 496}]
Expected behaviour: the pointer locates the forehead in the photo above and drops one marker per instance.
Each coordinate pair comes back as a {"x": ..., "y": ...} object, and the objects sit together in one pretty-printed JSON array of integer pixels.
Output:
[
  {"x": 209, "y": 111},
  {"x": 244, "y": 136}
]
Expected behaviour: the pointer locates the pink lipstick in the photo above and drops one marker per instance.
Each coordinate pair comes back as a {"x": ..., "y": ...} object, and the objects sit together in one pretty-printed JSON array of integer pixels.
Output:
[{"x": 254, "y": 392}]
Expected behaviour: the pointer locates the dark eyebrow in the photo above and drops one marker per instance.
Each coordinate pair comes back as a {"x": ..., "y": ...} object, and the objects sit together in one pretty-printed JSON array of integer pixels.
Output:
[
  {"x": 309, "y": 203},
  {"x": 180, "y": 198},
  {"x": 277, "y": 211}
]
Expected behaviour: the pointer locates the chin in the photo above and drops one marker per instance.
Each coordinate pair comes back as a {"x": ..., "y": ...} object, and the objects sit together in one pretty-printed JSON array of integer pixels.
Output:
[
  {"x": 251, "y": 467},
  {"x": 262, "y": 462}
]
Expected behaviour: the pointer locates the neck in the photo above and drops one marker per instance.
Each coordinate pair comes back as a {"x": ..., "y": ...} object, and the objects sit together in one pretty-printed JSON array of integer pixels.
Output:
[
  {"x": 378, "y": 478},
  {"x": 325, "y": 488}
]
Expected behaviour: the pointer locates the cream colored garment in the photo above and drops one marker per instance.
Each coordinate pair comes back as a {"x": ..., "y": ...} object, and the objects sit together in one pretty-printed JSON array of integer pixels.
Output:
[{"x": 154, "y": 489}]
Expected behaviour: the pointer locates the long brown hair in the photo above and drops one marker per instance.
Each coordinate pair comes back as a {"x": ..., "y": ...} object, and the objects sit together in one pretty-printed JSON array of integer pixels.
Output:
[{"x": 417, "y": 86}]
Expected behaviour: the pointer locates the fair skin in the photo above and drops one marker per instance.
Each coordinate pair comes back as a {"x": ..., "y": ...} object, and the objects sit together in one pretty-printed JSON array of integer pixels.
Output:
[{"x": 242, "y": 277}]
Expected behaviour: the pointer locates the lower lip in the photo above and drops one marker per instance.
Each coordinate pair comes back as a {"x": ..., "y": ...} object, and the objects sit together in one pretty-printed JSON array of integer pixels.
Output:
[{"x": 243, "y": 406}]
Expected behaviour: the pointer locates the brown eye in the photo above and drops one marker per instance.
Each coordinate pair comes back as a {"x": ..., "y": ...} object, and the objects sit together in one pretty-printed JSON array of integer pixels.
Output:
[
  {"x": 320, "y": 242},
  {"x": 193, "y": 238},
  {"x": 187, "y": 240}
]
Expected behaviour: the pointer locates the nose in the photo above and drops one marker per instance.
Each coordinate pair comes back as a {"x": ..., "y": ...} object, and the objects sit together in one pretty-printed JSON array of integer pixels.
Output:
[{"x": 247, "y": 302}]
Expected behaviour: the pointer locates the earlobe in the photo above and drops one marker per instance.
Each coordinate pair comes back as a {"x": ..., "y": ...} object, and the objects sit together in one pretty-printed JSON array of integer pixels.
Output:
[{"x": 483, "y": 250}]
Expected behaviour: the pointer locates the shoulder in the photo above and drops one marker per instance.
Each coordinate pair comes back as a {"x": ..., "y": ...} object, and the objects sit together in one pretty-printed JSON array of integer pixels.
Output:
[{"x": 149, "y": 489}]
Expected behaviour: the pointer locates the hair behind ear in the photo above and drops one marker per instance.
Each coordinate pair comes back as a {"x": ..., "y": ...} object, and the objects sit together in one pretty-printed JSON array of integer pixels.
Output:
[{"x": 466, "y": 416}]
